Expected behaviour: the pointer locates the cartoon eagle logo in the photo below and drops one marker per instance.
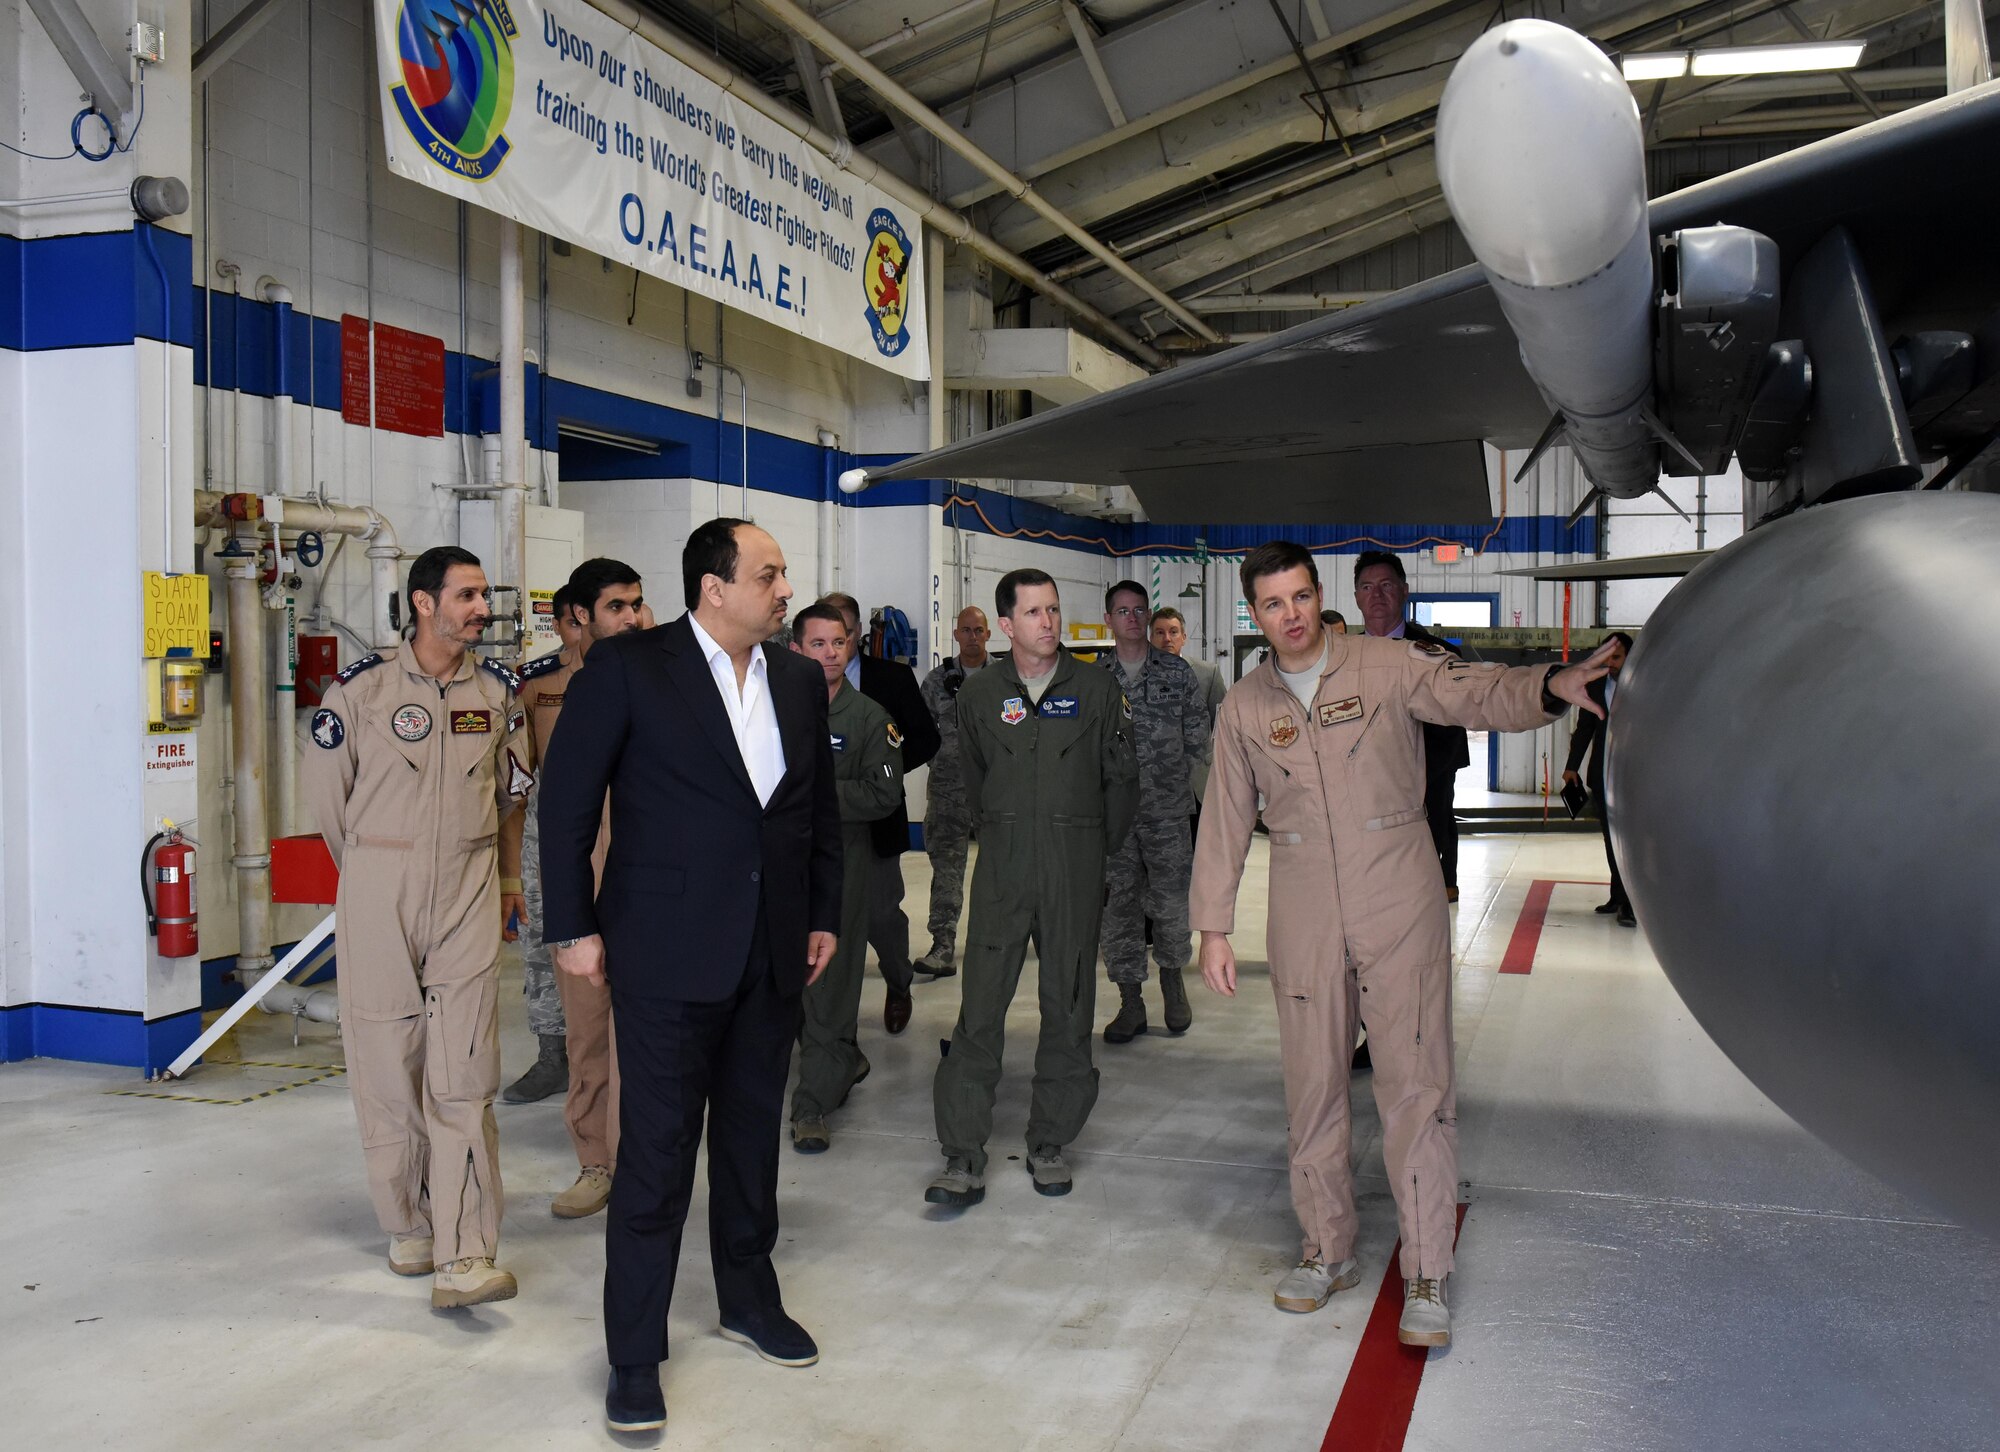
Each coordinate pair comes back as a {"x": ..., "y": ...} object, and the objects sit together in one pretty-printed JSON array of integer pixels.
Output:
[{"x": 885, "y": 280}]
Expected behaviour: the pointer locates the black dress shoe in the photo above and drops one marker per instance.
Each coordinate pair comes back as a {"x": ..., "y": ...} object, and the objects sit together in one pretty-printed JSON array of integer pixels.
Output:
[
  {"x": 1606, "y": 909},
  {"x": 774, "y": 1336},
  {"x": 1625, "y": 918},
  {"x": 896, "y": 1012},
  {"x": 632, "y": 1402}
]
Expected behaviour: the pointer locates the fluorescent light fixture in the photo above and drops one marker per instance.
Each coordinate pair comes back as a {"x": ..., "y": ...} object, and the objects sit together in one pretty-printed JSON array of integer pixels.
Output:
[
  {"x": 1664, "y": 65},
  {"x": 1761, "y": 60},
  {"x": 606, "y": 437}
]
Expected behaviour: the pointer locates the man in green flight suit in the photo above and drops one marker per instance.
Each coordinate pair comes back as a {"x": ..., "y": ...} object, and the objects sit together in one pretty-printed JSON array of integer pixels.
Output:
[
  {"x": 868, "y": 777},
  {"x": 1052, "y": 784}
]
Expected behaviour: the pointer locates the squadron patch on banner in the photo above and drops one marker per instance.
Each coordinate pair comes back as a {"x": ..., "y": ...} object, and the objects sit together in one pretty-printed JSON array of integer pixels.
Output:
[
  {"x": 1283, "y": 731},
  {"x": 885, "y": 281},
  {"x": 457, "y": 84}
]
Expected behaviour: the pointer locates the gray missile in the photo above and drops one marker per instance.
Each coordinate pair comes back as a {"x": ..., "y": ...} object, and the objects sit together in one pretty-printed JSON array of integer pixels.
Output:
[
  {"x": 1802, "y": 773},
  {"x": 1542, "y": 159}
]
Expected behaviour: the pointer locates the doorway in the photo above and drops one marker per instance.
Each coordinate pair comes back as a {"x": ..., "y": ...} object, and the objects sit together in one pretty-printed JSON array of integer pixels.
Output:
[{"x": 1444, "y": 615}]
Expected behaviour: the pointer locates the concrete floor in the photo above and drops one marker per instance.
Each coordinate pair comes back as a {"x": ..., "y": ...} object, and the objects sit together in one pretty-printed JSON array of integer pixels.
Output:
[{"x": 1654, "y": 1257}]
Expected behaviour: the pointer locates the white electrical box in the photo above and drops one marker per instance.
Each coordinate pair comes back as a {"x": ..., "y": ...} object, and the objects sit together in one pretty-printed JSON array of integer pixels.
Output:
[
  {"x": 555, "y": 547},
  {"x": 148, "y": 43}
]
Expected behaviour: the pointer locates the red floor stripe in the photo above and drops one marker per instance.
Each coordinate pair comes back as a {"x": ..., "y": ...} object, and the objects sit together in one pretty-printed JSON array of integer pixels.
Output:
[
  {"x": 1527, "y": 937},
  {"x": 1373, "y": 1414}
]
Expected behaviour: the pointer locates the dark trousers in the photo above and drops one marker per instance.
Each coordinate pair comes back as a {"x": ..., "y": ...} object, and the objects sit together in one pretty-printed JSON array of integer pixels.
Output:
[
  {"x": 678, "y": 1061},
  {"x": 1444, "y": 825},
  {"x": 1610, "y": 857},
  {"x": 888, "y": 925}
]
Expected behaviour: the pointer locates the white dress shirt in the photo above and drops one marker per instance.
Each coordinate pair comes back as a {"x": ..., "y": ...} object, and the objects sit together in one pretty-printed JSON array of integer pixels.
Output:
[{"x": 752, "y": 716}]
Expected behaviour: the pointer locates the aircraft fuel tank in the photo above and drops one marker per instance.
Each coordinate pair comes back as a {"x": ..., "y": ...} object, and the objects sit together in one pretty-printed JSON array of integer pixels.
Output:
[
  {"x": 1542, "y": 159},
  {"x": 1803, "y": 778}
]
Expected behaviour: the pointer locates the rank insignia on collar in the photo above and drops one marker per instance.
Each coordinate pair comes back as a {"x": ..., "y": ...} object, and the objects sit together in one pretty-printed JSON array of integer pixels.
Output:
[
  {"x": 1335, "y": 712},
  {"x": 1283, "y": 732},
  {"x": 1014, "y": 710}
]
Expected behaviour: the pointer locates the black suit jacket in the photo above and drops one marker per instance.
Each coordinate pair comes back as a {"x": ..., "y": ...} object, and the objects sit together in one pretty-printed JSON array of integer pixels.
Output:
[
  {"x": 1446, "y": 750},
  {"x": 694, "y": 859},
  {"x": 893, "y": 686}
]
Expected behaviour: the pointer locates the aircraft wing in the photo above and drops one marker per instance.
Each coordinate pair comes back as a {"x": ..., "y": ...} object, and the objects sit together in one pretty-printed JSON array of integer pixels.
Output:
[
  {"x": 1378, "y": 412},
  {"x": 1632, "y": 567}
]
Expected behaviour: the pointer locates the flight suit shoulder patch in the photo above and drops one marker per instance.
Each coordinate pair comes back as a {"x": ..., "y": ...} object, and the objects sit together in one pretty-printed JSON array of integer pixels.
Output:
[
  {"x": 1125, "y": 704},
  {"x": 328, "y": 731},
  {"x": 506, "y": 677},
  {"x": 895, "y": 736},
  {"x": 355, "y": 668},
  {"x": 541, "y": 665},
  {"x": 520, "y": 781},
  {"x": 1427, "y": 649}
]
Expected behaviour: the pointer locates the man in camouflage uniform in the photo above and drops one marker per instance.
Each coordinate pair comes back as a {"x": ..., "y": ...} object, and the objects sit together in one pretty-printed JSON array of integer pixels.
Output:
[
  {"x": 549, "y": 1074},
  {"x": 947, "y": 815},
  {"x": 1148, "y": 876}
]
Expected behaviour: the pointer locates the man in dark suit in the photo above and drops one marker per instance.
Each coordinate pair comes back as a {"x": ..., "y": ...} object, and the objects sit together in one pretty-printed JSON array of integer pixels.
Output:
[
  {"x": 1588, "y": 738},
  {"x": 720, "y": 902},
  {"x": 1382, "y": 590},
  {"x": 893, "y": 686}
]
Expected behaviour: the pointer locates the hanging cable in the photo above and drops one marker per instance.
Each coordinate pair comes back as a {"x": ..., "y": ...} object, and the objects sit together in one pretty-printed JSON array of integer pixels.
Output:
[{"x": 77, "y": 148}]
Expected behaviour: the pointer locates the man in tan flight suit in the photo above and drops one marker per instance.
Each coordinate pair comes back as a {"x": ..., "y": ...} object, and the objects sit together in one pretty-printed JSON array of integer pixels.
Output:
[
  {"x": 1329, "y": 731},
  {"x": 606, "y": 598},
  {"x": 422, "y": 751}
]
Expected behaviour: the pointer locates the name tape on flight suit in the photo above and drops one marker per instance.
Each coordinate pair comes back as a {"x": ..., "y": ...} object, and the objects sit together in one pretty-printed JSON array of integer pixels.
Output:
[
  {"x": 472, "y": 723},
  {"x": 838, "y": 742},
  {"x": 411, "y": 723},
  {"x": 1061, "y": 707},
  {"x": 1335, "y": 712}
]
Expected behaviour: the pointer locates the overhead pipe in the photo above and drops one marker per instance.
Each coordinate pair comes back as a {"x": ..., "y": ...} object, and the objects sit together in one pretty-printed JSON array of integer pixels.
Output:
[
  {"x": 878, "y": 81},
  {"x": 840, "y": 151},
  {"x": 1280, "y": 302}
]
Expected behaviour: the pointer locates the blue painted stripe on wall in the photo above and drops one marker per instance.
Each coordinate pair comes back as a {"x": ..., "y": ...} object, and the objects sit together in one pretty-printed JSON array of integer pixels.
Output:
[
  {"x": 96, "y": 1035},
  {"x": 95, "y": 289},
  {"x": 690, "y": 444}
]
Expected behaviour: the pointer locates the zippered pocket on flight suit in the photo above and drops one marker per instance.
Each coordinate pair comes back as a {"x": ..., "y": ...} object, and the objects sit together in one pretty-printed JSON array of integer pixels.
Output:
[{"x": 1366, "y": 727}]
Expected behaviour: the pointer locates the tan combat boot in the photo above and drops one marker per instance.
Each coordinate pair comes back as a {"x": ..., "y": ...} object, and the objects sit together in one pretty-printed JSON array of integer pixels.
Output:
[
  {"x": 410, "y": 1255},
  {"x": 587, "y": 1196},
  {"x": 473, "y": 1281}
]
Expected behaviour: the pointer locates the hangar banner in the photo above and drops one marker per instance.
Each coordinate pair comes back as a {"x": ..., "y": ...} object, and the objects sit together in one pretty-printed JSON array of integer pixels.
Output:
[{"x": 550, "y": 112}]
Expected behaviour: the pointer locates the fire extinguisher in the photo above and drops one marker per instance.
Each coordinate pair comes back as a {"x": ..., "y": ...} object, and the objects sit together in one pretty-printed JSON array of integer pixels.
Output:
[{"x": 166, "y": 882}]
